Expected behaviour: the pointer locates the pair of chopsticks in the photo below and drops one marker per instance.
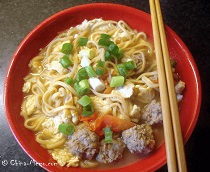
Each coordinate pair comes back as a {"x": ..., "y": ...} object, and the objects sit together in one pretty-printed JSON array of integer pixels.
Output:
[{"x": 171, "y": 122}]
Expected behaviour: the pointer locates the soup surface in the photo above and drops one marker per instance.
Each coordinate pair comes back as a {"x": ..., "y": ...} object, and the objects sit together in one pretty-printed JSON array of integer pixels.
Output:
[{"x": 92, "y": 96}]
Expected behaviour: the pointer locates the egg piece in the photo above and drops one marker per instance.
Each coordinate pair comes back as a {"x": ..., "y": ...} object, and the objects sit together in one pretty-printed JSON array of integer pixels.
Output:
[{"x": 125, "y": 91}]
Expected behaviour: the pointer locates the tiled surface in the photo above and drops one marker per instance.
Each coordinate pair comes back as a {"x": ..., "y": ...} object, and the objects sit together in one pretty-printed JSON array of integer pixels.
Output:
[{"x": 189, "y": 19}]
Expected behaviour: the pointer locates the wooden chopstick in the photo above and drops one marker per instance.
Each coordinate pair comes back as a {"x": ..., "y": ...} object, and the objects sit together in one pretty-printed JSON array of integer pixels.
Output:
[{"x": 171, "y": 122}]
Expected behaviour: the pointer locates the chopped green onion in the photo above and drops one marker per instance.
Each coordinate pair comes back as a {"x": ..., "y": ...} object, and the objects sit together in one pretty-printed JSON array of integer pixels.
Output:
[
  {"x": 69, "y": 80},
  {"x": 65, "y": 61},
  {"x": 67, "y": 48},
  {"x": 105, "y": 36},
  {"x": 87, "y": 110},
  {"x": 130, "y": 65},
  {"x": 100, "y": 68},
  {"x": 82, "y": 87},
  {"x": 107, "y": 55},
  {"x": 85, "y": 100},
  {"x": 66, "y": 129},
  {"x": 81, "y": 74},
  {"x": 107, "y": 134},
  {"x": 90, "y": 71},
  {"x": 122, "y": 69},
  {"x": 104, "y": 42},
  {"x": 119, "y": 55},
  {"x": 113, "y": 48},
  {"x": 117, "y": 81},
  {"x": 82, "y": 41}
]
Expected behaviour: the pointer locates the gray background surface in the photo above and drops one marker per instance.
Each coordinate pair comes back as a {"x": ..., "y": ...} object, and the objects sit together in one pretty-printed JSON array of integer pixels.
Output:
[{"x": 189, "y": 19}]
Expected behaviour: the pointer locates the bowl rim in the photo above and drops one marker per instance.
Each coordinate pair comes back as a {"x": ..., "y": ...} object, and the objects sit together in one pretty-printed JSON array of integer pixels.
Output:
[{"x": 44, "y": 23}]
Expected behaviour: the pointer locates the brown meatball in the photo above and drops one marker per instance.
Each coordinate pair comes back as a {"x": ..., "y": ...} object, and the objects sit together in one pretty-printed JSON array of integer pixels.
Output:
[
  {"x": 83, "y": 143},
  {"x": 109, "y": 152},
  {"x": 152, "y": 113},
  {"x": 139, "y": 139}
]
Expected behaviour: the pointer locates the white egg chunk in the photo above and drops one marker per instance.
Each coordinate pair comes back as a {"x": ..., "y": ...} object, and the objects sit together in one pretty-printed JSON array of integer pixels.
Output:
[
  {"x": 57, "y": 121},
  {"x": 179, "y": 87},
  {"x": 30, "y": 104},
  {"x": 96, "y": 84},
  {"x": 58, "y": 46},
  {"x": 26, "y": 87},
  {"x": 125, "y": 91},
  {"x": 55, "y": 65},
  {"x": 179, "y": 97}
]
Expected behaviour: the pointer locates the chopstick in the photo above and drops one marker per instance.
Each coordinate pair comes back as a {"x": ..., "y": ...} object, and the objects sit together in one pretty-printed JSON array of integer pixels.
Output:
[{"x": 171, "y": 122}]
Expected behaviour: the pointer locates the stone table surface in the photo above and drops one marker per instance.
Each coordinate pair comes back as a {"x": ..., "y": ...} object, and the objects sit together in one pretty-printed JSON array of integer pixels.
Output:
[{"x": 190, "y": 19}]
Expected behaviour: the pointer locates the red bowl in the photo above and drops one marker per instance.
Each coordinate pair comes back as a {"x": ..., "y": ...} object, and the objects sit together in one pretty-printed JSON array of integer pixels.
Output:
[{"x": 41, "y": 35}]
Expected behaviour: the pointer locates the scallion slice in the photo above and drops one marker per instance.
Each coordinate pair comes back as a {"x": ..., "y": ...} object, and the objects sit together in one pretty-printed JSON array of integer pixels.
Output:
[
  {"x": 82, "y": 41},
  {"x": 65, "y": 61},
  {"x": 104, "y": 42},
  {"x": 69, "y": 81},
  {"x": 85, "y": 100},
  {"x": 100, "y": 68},
  {"x": 67, "y": 48},
  {"x": 107, "y": 134},
  {"x": 130, "y": 65},
  {"x": 117, "y": 81},
  {"x": 81, "y": 74},
  {"x": 87, "y": 110},
  {"x": 66, "y": 129},
  {"x": 107, "y": 55},
  {"x": 90, "y": 71},
  {"x": 122, "y": 69},
  {"x": 82, "y": 87},
  {"x": 119, "y": 55},
  {"x": 105, "y": 36},
  {"x": 113, "y": 48}
]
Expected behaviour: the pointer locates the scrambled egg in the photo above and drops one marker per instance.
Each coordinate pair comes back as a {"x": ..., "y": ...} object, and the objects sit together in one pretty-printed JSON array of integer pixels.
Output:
[
  {"x": 30, "y": 104},
  {"x": 64, "y": 157},
  {"x": 125, "y": 91},
  {"x": 101, "y": 105},
  {"x": 144, "y": 95},
  {"x": 26, "y": 87}
]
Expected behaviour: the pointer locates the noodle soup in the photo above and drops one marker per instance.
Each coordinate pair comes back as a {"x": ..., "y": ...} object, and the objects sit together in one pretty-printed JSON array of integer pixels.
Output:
[{"x": 92, "y": 96}]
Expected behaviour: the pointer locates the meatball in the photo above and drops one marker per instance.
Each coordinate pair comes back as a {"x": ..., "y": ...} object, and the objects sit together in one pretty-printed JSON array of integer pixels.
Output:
[
  {"x": 139, "y": 139},
  {"x": 109, "y": 152},
  {"x": 83, "y": 143},
  {"x": 152, "y": 113}
]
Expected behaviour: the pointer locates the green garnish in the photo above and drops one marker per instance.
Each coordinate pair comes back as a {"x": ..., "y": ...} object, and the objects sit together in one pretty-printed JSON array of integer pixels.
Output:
[
  {"x": 66, "y": 129},
  {"x": 107, "y": 134},
  {"x": 130, "y": 65},
  {"x": 65, "y": 61},
  {"x": 100, "y": 68},
  {"x": 105, "y": 36},
  {"x": 90, "y": 71},
  {"x": 67, "y": 48},
  {"x": 82, "y": 87},
  {"x": 82, "y": 41},
  {"x": 117, "y": 81},
  {"x": 85, "y": 100},
  {"x": 69, "y": 81},
  {"x": 87, "y": 110},
  {"x": 81, "y": 74},
  {"x": 104, "y": 42},
  {"x": 122, "y": 69}
]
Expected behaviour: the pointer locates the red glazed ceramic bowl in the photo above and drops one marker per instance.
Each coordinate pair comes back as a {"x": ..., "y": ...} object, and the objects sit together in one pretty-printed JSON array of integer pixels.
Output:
[{"x": 41, "y": 35}]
